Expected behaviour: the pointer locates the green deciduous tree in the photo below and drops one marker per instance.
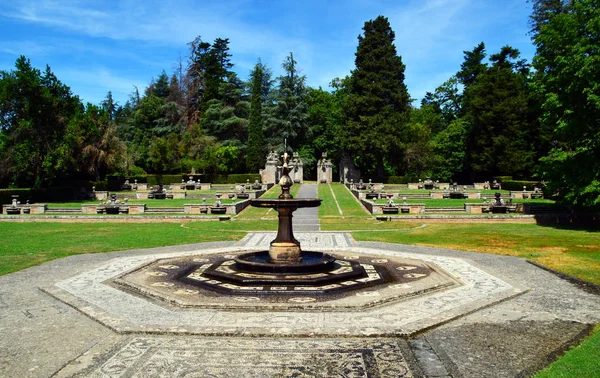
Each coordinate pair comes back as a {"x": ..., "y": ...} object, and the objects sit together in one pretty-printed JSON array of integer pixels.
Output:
[
  {"x": 377, "y": 107},
  {"x": 499, "y": 134},
  {"x": 35, "y": 109},
  {"x": 567, "y": 79}
]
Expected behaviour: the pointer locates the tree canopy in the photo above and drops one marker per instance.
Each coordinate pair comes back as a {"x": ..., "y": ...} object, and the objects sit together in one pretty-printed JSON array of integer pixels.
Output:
[{"x": 494, "y": 117}]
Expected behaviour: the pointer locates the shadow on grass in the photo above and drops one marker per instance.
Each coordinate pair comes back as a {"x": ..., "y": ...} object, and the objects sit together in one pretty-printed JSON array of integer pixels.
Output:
[{"x": 570, "y": 221}]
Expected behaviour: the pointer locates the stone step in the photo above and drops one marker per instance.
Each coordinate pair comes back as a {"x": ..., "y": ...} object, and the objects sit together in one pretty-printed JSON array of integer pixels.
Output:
[
  {"x": 163, "y": 210},
  {"x": 444, "y": 209},
  {"x": 64, "y": 210},
  {"x": 414, "y": 195}
]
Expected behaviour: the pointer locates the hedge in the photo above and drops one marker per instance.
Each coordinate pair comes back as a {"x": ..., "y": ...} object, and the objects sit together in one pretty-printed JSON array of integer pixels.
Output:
[
  {"x": 53, "y": 194},
  {"x": 387, "y": 179},
  {"x": 517, "y": 185},
  {"x": 114, "y": 182}
]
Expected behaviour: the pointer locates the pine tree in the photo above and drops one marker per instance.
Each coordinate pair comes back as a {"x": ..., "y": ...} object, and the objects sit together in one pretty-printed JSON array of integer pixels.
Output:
[
  {"x": 288, "y": 119},
  {"x": 255, "y": 156},
  {"x": 377, "y": 107}
]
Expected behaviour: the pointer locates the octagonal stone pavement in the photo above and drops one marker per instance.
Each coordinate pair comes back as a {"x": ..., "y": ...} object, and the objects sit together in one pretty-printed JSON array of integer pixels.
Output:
[{"x": 525, "y": 319}]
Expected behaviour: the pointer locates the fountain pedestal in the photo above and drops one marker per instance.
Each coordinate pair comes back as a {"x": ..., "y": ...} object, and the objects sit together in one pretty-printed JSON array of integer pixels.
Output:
[{"x": 285, "y": 249}]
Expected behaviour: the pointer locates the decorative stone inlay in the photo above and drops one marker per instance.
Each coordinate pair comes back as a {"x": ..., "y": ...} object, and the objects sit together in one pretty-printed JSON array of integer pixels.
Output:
[
  {"x": 309, "y": 241},
  {"x": 125, "y": 312},
  {"x": 217, "y": 357},
  {"x": 333, "y": 290}
]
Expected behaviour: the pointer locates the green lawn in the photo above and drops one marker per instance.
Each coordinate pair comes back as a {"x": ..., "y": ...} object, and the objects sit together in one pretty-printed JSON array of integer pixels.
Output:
[
  {"x": 335, "y": 195},
  {"x": 35, "y": 243},
  {"x": 581, "y": 361}
]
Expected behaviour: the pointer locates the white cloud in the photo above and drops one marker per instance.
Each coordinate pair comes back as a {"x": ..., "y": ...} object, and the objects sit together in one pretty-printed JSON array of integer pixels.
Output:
[{"x": 93, "y": 84}]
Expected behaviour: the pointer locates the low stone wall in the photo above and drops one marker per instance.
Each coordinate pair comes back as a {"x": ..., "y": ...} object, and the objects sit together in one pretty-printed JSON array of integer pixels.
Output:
[
  {"x": 376, "y": 209},
  {"x": 476, "y": 208},
  {"x": 440, "y": 195},
  {"x": 133, "y": 208},
  {"x": 36, "y": 208},
  {"x": 177, "y": 194},
  {"x": 141, "y": 194},
  {"x": 232, "y": 209},
  {"x": 440, "y": 185},
  {"x": 524, "y": 194},
  {"x": 479, "y": 208},
  {"x": 100, "y": 195}
]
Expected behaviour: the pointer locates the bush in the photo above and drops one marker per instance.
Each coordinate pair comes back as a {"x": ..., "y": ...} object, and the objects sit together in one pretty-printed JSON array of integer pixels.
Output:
[
  {"x": 241, "y": 178},
  {"x": 23, "y": 193},
  {"x": 517, "y": 185},
  {"x": 501, "y": 179},
  {"x": 387, "y": 179}
]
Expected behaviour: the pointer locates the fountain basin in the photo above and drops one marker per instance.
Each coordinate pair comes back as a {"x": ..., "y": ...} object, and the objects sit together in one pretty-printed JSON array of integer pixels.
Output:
[
  {"x": 261, "y": 262},
  {"x": 277, "y": 203}
]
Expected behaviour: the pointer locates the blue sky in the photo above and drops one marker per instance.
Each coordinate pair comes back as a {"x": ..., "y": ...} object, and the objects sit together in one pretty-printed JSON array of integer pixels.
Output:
[{"x": 95, "y": 46}]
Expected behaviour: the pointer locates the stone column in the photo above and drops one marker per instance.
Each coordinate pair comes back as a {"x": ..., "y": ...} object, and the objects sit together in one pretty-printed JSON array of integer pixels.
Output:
[
  {"x": 324, "y": 170},
  {"x": 269, "y": 174},
  {"x": 297, "y": 172}
]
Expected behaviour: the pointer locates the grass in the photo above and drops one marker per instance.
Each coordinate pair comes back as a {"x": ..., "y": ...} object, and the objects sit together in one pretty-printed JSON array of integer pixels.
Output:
[
  {"x": 574, "y": 252},
  {"x": 35, "y": 243},
  {"x": 337, "y": 194},
  {"x": 581, "y": 361}
]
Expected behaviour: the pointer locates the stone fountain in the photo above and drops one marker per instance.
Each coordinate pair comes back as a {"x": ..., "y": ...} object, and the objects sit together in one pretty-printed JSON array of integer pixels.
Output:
[{"x": 285, "y": 249}]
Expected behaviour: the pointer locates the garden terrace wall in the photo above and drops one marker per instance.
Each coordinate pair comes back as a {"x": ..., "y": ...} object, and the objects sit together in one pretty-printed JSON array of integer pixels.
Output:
[
  {"x": 375, "y": 209},
  {"x": 37, "y": 208},
  {"x": 232, "y": 209}
]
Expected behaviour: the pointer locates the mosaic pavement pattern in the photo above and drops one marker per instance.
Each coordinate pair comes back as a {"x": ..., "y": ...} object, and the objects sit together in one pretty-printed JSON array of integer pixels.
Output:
[
  {"x": 185, "y": 282},
  {"x": 126, "y": 312},
  {"x": 260, "y": 358}
]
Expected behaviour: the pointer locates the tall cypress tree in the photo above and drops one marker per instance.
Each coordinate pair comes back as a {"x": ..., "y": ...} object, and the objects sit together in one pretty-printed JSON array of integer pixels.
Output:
[
  {"x": 377, "y": 107},
  {"x": 255, "y": 158}
]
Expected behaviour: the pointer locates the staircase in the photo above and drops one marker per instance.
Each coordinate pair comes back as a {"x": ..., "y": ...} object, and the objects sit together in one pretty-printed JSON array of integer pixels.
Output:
[
  {"x": 414, "y": 196},
  {"x": 453, "y": 210},
  {"x": 164, "y": 210},
  {"x": 63, "y": 211}
]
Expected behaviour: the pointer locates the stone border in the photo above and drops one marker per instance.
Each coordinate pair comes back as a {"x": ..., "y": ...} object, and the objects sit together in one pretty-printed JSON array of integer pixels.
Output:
[{"x": 125, "y": 312}]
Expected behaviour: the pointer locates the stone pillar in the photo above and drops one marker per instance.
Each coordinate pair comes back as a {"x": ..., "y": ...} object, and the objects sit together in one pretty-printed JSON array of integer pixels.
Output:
[
  {"x": 348, "y": 172},
  {"x": 269, "y": 174},
  {"x": 324, "y": 170},
  {"x": 297, "y": 171}
]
